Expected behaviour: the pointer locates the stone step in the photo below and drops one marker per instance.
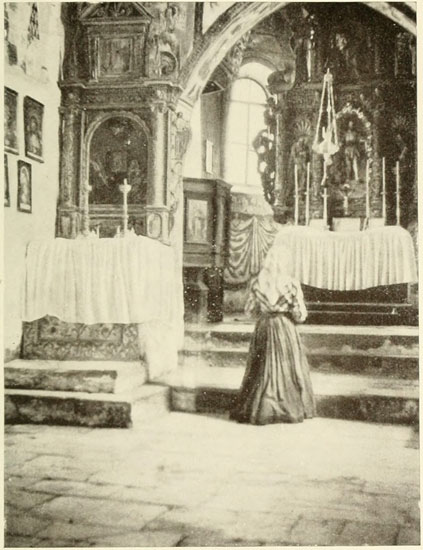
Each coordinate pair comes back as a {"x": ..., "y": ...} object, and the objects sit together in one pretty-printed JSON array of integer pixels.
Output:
[
  {"x": 66, "y": 408},
  {"x": 81, "y": 393},
  {"x": 78, "y": 376},
  {"x": 393, "y": 340},
  {"x": 85, "y": 409},
  {"x": 353, "y": 397},
  {"x": 374, "y": 362}
]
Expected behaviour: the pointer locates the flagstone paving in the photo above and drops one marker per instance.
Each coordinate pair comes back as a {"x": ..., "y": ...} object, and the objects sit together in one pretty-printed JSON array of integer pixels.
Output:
[{"x": 192, "y": 480}]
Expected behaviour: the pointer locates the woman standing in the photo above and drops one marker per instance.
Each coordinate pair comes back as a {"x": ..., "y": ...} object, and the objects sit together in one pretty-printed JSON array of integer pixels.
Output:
[{"x": 276, "y": 385}]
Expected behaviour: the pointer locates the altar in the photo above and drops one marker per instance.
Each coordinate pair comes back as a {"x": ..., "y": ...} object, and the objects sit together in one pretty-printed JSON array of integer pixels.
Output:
[
  {"x": 127, "y": 281},
  {"x": 348, "y": 261}
]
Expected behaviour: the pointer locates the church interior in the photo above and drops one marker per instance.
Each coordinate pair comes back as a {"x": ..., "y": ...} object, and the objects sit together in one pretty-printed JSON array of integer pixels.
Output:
[{"x": 153, "y": 152}]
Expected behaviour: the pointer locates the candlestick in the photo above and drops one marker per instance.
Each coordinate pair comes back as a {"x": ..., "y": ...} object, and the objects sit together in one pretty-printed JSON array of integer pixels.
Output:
[
  {"x": 124, "y": 189},
  {"x": 325, "y": 207},
  {"x": 383, "y": 190},
  {"x": 367, "y": 190},
  {"x": 307, "y": 214},
  {"x": 397, "y": 167},
  {"x": 296, "y": 194}
]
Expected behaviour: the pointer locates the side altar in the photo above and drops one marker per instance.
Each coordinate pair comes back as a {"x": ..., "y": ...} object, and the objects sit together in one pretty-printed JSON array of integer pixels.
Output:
[{"x": 122, "y": 142}]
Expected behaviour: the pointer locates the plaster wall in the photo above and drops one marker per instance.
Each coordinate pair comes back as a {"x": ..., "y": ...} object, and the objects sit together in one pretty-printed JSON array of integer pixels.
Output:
[{"x": 35, "y": 74}]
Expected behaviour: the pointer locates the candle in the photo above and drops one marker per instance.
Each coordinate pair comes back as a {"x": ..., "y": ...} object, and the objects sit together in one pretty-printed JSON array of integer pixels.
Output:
[
  {"x": 307, "y": 215},
  {"x": 397, "y": 166},
  {"x": 296, "y": 193},
  {"x": 383, "y": 190},
  {"x": 124, "y": 189},
  {"x": 367, "y": 190},
  {"x": 325, "y": 207}
]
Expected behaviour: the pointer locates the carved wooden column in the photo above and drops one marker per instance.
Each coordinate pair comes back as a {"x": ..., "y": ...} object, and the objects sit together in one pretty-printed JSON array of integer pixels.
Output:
[
  {"x": 157, "y": 212},
  {"x": 377, "y": 168},
  {"x": 68, "y": 216},
  {"x": 156, "y": 192}
]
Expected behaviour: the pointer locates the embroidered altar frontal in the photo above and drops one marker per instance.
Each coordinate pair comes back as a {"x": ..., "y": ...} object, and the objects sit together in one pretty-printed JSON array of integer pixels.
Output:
[{"x": 351, "y": 260}]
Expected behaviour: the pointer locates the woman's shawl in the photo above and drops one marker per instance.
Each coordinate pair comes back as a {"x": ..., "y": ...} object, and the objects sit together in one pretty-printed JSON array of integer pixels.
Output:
[{"x": 275, "y": 290}]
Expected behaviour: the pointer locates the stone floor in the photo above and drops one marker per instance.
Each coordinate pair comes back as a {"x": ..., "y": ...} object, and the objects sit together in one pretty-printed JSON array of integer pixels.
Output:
[{"x": 191, "y": 480}]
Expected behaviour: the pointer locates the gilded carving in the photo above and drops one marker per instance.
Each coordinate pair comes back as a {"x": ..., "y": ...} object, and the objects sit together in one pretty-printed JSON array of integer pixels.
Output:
[
  {"x": 233, "y": 59},
  {"x": 163, "y": 43}
]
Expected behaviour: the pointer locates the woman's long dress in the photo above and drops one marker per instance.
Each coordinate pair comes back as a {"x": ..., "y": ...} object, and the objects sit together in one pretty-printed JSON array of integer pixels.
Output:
[{"x": 276, "y": 385}]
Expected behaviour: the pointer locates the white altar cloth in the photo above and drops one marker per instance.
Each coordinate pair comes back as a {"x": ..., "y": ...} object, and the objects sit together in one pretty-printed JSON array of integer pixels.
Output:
[
  {"x": 351, "y": 260},
  {"x": 91, "y": 281}
]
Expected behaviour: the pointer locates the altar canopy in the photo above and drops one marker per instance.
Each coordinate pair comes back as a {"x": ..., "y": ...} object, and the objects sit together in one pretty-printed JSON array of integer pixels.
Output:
[
  {"x": 350, "y": 260},
  {"x": 91, "y": 281}
]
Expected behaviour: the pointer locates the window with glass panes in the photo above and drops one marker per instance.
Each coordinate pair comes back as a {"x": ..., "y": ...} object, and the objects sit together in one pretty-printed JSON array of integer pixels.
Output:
[{"x": 244, "y": 122}]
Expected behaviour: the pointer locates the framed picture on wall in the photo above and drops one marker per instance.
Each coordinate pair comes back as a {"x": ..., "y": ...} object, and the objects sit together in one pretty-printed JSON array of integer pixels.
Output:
[
  {"x": 24, "y": 187},
  {"x": 33, "y": 123},
  {"x": 197, "y": 221},
  {"x": 10, "y": 121},
  {"x": 6, "y": 183}
]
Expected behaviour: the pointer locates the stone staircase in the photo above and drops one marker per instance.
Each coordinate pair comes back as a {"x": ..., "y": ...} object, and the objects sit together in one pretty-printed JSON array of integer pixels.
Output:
[
  {"x": 358, "y": 372},
  {"x": 80, "y": 393}
]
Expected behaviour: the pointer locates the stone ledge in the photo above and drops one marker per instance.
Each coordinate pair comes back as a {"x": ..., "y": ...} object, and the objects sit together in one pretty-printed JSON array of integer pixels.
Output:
[{"x": 352, "y": 397}]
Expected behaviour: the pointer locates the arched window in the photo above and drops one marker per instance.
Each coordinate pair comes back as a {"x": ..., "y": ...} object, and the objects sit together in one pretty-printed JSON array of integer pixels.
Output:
[
  {"x": 247, "y": 102},
  {"x": 245, "y": 120}
]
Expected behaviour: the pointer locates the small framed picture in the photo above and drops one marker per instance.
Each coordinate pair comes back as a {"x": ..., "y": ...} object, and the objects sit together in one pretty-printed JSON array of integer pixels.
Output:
[
  {"x": 6, "y": 183},
  {"x": 24, "y": 187},
  {"x": 10, "y": 121},
  {"x": 33, "y": 122},
  {"x": 197, "y": 221}
]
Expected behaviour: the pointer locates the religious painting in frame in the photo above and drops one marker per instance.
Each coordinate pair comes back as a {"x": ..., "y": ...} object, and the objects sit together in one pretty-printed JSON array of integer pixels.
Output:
[
  {"x": 10, "y": 121},
  {"x": 6, "y": 182},
  {"x": 115, "y": 56},
  {"x": 33, "y": 124},
  {"x": 24, "y": 187},
  {"x": 197, "y": 221}
]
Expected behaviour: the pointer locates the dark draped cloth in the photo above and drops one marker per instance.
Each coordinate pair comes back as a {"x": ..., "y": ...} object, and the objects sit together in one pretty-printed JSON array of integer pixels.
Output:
[{"x": 276, "y": 385}]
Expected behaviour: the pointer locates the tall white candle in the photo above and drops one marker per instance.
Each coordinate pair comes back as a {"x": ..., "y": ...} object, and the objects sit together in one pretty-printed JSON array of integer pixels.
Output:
[
  {"x": 124, "y": 189},
  {"x": 383, "y": 190},
  {"x": 296, "y": 193},
  {"x": 307, "y": 214},
  {"x": 397, "y": 166},
  {"x": 325, "y": 207},
  {"x": 368, "y": 189}
]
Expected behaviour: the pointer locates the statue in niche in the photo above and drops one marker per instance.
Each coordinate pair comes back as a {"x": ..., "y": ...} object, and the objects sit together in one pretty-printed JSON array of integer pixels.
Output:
[
  {"x": 351, "y": 151},
  {"x": 300, "y": 156},
  {"x": 348, "y": 171},
  {"x": 303, "y": 43},
  {"x": 182, "y": 136},
  {"x": 343, "y": 56}
]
